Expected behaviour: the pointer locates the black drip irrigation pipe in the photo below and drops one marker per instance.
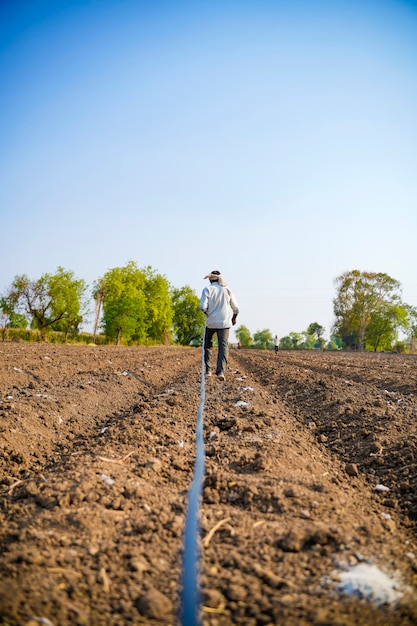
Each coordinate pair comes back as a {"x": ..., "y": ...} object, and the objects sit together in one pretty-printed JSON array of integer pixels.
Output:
[{"x": 190, "y": 593}]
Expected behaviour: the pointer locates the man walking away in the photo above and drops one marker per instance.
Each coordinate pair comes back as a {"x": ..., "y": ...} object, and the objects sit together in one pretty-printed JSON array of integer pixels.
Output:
[
  {"x": 276, "y": 343},
  {"x": 221, "y": 308}
]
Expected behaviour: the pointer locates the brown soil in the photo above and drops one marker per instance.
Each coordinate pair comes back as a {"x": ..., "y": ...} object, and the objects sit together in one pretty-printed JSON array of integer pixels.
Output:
[{"x": 97, "y": 456}]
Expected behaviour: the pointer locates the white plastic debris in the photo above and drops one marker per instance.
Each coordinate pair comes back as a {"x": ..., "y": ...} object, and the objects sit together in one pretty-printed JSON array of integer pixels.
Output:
[
  {"x": 241, "y": 403},
  {"x": 181, "y": 443},
  {"x": 43, "y": 620},
  {"x": 107, "y": 479},
  {"x": 168, "y": 392},
  {"x": 247, "y": 389},
  {"x": 369, "y": 582},
  {"x": 103, "y": 430},
  {"x": 381, "y": 488}
]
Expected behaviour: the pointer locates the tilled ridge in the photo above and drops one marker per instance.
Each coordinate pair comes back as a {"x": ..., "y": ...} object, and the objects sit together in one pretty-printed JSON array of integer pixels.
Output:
[{"x": 283, "y": 519}]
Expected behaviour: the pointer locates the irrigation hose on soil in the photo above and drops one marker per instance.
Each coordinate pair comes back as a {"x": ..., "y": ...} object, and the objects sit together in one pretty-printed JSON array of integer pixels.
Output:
[{"x": 190, "y": 592}]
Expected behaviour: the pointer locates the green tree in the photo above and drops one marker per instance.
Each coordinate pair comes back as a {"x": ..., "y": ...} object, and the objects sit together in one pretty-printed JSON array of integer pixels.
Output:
[
  {"x": 332, "y": 345},
  {"x": 263, "y": 339},
  {"x": 18, "y": 320},
  {"x": 316, "y": 329},
  {"x": 124, "y": 303},
  {"x": 11, "y": 319},
  {"x": 309, "y": 341},
  {"x": 359, "y": 296},
  {"x": 285, "y": 343},
  {"x": 296, "y": 340},
  {"x": 188, "y": 320},
  {"x": 68, "y": 294},
  {"x": 382, "y": 329},
  {"x": 243, "y": 336},
  {"x": 293, "y": 341},
  {"x": 335, "y": 343},
  {"x": 136, "y": 305},
  {"x": 51, "y": 299},
  {"x": 158, "y": 307}
]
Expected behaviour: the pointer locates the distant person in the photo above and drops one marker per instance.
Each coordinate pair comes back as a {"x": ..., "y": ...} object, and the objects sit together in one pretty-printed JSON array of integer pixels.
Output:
[
  {"x": 221, "y": 308},
  {"x": 238, "y": 345},
  {"x": 276, "y": 343}
]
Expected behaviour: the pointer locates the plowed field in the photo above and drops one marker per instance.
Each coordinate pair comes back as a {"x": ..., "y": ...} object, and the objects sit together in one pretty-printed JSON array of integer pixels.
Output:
[{"x": 311, "y": 480}]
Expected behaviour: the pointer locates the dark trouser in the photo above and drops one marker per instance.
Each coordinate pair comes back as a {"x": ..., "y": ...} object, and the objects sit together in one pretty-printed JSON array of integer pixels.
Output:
[{"x": 223, "y": 348}]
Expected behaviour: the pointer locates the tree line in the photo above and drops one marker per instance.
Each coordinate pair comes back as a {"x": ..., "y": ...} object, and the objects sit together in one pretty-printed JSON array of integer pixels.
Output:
[
  {"x": 139, "y": 306},
  {"x": 369, "y": 315},
  {"x": 132, "y": 306},
  {"x": 309, "y": 339}
]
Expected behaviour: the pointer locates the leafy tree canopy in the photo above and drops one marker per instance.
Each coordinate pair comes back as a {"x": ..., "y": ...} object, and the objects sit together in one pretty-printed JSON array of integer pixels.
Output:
[
  {"x": 316, "y": 329},
  {"x": 158, "y": 306},
  {"x": 123, "y": 300},
  {"x": 136, "y": 304},
  {"x": 263, "y": 339},
  {"x": 309, "y": 341},
  {"x": 296, "y": 340},
  {"x": 244, "y": 337},
  {"x": 382, "y": 329},
  {"x": 360, "y": 297},
  {"x": 188, "y": 320},
  {"x": 8, "y": 317},
  {"x": 67, "y": 295},
  {"x": 51, "y": 301}
]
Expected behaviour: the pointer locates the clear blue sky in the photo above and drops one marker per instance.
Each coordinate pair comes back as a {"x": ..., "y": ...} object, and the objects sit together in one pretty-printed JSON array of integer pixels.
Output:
[{"x": 273, "y": 140}]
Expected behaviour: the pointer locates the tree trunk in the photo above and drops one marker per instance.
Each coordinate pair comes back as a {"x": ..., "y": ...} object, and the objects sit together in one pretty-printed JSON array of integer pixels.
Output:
[
  {"x": 98, "y": 311},
  {"x": 361, "y": 342}
]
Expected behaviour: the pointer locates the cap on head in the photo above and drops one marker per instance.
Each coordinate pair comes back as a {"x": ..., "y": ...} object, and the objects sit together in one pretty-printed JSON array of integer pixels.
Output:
[{"x": 216, "y": 277}]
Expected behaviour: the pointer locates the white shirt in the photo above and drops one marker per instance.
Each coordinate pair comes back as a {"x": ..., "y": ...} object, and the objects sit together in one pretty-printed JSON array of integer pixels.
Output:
[{"x": 219, "y": 304}]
